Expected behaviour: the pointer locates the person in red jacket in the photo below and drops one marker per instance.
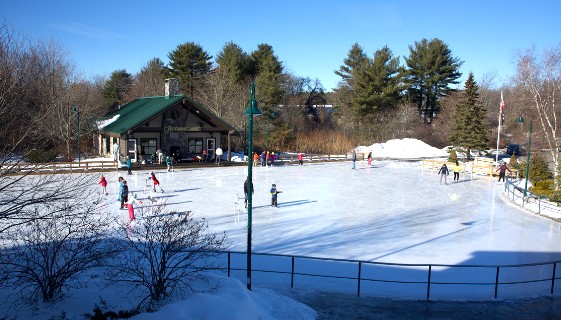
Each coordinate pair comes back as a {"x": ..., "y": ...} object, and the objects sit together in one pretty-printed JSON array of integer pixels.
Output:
[
  {"x": 155, "y": 182},
  {"x": 502, "y": 171},
  {"x": 103, "y": 183}
]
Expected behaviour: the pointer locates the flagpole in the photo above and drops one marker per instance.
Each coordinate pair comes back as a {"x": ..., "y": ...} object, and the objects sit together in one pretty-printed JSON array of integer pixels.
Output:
[{"x": 499, "y": 128}]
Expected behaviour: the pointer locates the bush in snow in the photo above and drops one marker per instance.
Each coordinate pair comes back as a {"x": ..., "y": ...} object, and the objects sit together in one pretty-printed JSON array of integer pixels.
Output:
[
  {"x": 41, "y": 156},
  {"x": 51, "y": 252},
  {"x": 163, "y": 251}
]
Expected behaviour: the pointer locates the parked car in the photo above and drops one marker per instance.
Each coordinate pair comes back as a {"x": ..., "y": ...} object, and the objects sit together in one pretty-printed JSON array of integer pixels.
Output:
[{"x": 513, "y": 149}]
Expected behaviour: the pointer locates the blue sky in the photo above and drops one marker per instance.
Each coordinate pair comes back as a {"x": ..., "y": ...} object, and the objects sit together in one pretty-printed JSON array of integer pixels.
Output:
[{"x": 311, "y": 38}]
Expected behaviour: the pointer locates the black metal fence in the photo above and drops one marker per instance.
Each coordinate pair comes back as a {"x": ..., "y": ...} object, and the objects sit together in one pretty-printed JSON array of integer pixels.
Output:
[
  {"x": 532, "y": 202},
  {"x": 419, "y": 281}
]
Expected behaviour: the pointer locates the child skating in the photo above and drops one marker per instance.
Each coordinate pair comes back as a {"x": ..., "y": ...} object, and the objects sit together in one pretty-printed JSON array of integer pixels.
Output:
[
  {"x": 155, "y": 182},
  {"x": 274, "y": 192},
  {"x": 169, "y": 163},
  {"x": 103, "y": 183},
  {"x": 124, "y": 194},
  {"x": 130, "y": 207}
]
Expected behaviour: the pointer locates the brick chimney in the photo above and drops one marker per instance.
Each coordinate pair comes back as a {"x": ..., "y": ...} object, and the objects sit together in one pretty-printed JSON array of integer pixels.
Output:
[{"x": 172, "y": 87}]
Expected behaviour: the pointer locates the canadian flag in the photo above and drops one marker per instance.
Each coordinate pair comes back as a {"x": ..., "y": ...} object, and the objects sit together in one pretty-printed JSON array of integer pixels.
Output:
[{"x": 503, "y": 105}]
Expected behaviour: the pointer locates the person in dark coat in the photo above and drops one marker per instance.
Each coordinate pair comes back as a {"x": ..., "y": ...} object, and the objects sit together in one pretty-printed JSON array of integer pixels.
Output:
[
  {"x": 502, "y": 171},
  {"x": 274, "y": 192},
  {"x": 129, "y": 165},
  {"x": 245, "y": 190},
  {"x": 354, "y": 159},
  {"x": 443, "y": 172}
]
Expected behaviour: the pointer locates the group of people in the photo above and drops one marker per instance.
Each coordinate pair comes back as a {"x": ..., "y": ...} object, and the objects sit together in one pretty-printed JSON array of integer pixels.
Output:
[
  {"x": 123, "y": 193},
  {"x": 274, "y": 193},
  {"x": 266, "y": 158},
  {"x": 456, "y": 169}
]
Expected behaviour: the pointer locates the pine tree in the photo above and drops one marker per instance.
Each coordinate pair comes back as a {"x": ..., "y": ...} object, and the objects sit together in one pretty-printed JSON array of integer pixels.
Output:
[
  {"x": 377, "y": 85},
  {"x": 234, "y": 62},
  {"x": 115, "y": 89},
  {"x": 470, "y": 129},
  {"x": 268, "y": 77},
  {"x": 430, "y": 70},
  {"x": 355, "y": 61},
  {"x": 189, "y": 63}
]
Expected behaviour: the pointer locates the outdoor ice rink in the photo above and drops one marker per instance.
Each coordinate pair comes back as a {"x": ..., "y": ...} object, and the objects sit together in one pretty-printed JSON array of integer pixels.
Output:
[{"x": 389, "y": 212}]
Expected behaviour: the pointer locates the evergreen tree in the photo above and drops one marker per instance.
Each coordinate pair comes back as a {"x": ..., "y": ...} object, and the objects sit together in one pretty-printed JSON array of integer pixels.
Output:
[
  {"x": 430, "y": 70},
  {"x": 354, "y": 62},
  {"x": 115, "y": 89},
  {"x": 377, "y": 85},
  {"x": 268, "y": 76},
  {"x": 470, "y": 129},
  {"x": 189, "y": 63},
  {"x": 234, "y": 62},
  {"x": 539, "y": 169}
]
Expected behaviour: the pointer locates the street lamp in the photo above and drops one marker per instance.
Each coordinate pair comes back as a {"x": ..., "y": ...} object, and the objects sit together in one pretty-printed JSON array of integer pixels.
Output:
[
  {"x": 251, "y": 111},
  {"x": 521, "y": 120},
  {"x": 75, "y": 109}
]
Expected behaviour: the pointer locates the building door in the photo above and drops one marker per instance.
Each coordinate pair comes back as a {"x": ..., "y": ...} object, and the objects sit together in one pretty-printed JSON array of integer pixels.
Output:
[
  {"x": 210, "y": 146},
  {"x": 131, "y": 149}
]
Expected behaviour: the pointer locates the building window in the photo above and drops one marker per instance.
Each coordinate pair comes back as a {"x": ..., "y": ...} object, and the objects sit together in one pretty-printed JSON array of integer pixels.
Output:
[
  {"x": 148, "y": 146},
  {"x": 195, "y": 145}
]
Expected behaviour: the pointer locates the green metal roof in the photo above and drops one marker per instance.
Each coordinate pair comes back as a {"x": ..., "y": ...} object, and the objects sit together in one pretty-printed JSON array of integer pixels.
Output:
[{"x": 139, "y": 111}]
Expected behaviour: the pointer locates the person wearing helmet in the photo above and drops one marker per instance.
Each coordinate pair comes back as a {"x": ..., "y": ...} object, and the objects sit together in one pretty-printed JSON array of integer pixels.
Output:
[{"x": 274, "y": 192}]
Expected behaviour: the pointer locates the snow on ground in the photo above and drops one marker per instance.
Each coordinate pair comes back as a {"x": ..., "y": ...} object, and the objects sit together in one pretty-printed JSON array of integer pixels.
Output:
[
  {"x": 403, "y": 149},
  {"x": 391, "y": 211}
]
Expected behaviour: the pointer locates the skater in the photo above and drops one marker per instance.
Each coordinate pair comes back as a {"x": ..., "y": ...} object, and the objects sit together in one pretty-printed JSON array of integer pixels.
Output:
[
  {"x": 129, "y": 165},
  {"x": 245, "y": 190},
  {"x": 274, "y": 192},
  {"x": 443, "y": 172},
  {"x": 267, "y": 158},
  {"x": 456, "y": 169},
  {"x": 369, "y": 158},
  {"x": 262, "y": 158},
  {"x": 131, "y": 208},
  {"x": 502, "y": 171},
  {"x": 103, "y": 183},
  {"x": 354, "y": 159},
  {"x": 300, "y": 158},
  {"x": 169, "y": 163},
  {"x": 218, "y": 155},
  {"x": 204, "y": 155},
  {"x": 155, "y": 182},
  {"x": 124, "y": 194},
  {"x": 120, "y": 193},
  {"x": 255, "y": 159},
  {"x": 116, "y": 151}
]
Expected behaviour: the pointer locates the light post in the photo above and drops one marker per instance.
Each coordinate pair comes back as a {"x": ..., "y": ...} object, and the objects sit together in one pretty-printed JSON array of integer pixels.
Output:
[
  {"x": 75, "y": 109},
  {"x": 251, "y": 111},
  {"x": 521, "y": 120}
]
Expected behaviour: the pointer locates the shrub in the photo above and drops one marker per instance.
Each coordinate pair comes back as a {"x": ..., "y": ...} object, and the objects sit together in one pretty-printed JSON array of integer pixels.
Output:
[
  {"x": 41, "y": 156},
  {"x": 539, "y": 169},
  {"x": 543, "y": 188},
  {"x": 453, "y": 156}
]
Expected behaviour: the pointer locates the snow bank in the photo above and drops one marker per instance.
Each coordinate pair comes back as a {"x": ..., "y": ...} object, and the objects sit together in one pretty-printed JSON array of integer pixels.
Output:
[
  {"x": 233, "y": 301},
  {"x": 403, "y": 149}
]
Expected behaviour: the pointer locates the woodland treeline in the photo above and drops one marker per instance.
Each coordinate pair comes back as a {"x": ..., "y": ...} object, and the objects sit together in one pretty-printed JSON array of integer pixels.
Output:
[{"x": 380, "y": 96}]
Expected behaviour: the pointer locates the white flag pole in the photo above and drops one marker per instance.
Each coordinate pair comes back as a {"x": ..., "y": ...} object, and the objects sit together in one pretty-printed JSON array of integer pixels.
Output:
[{"x": 499, "y": 128}]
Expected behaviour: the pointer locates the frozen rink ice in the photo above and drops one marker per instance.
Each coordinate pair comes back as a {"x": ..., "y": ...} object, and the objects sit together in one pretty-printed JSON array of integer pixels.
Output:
[{"x": 390, "y": 212}]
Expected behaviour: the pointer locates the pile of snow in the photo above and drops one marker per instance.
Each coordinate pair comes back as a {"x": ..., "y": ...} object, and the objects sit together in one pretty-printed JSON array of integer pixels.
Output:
[
  {"x": 233, "y": 301},
  {"x": 403, "y": 149}
]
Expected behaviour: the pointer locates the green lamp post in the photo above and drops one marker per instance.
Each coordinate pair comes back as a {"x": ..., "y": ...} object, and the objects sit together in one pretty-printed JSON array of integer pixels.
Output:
[
  {"x": 521, "y": 120},
  {"x": 251, "y": 111},
  {"x": 75, "y": 109}
]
